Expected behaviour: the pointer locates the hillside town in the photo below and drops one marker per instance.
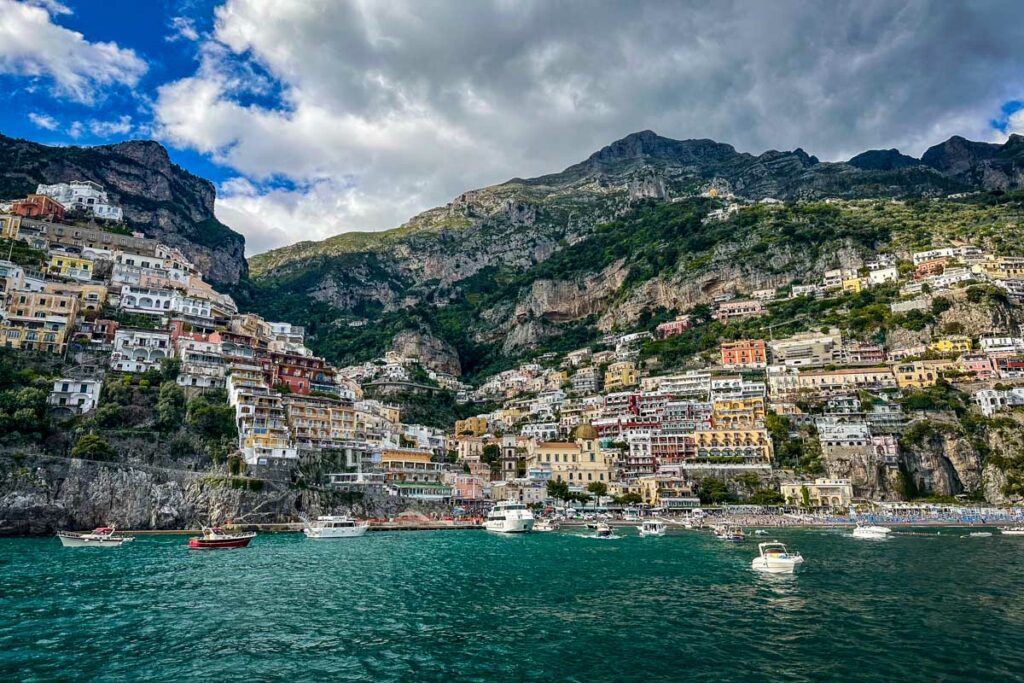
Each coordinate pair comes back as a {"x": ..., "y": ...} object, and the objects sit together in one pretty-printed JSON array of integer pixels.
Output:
[{"x": 597, "y": 424}]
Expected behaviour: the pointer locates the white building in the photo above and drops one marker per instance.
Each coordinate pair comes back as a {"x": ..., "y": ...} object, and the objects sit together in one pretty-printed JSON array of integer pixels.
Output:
[
  {"x": 139, "y": 350},
  {"x": 76, "y": 395},
  {"x": 992, "y": 401},
  {"x": 145, "y": 300},
  {"x": 202, "y": 363},
  {"x": 882, "y": 275},
  {"x": 83, "y": 195}
]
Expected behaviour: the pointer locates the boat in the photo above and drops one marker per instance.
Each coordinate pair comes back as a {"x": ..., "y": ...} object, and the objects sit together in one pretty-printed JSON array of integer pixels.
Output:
[
  {"x": 1012, "y": 531},
  {"x": 100, "y": 537},
  {"x": 216, "y": 538},
  {"x": 546, "y": 525},
  {"x": 331, "y": 526},
  {"x": 774, "y": 558},
  {"x": 651, "y": 527},
  {"x": 729, "y": 532},
  {"x": 509, "y": 517},
  {"x": 871, "y": 531},
  {"x": 603, "y": 529},
  {"x": 760, "y": 532},
  {"x": 980, "y": 534}
]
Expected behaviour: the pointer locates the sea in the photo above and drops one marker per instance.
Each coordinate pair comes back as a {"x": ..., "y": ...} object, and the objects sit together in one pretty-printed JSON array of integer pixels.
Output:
[{"x": 925, "y": 605}]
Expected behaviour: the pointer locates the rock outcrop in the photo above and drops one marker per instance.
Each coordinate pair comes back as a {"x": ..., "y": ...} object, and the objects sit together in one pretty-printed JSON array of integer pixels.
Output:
[
  {"x": 159, "y": 198},
  {"x": 431, "y": 352}
]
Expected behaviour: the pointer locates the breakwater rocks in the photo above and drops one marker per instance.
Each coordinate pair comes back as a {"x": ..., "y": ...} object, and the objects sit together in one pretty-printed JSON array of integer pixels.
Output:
[{"x": 40, "y": 494}]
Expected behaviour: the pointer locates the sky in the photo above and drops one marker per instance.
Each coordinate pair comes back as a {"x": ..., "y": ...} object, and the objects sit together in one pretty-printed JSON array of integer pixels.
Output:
[{"x": 318, "y": 117}]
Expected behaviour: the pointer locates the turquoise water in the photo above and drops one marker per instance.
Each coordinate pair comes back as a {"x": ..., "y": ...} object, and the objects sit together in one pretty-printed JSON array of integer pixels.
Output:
[{"x": 472, "y": 606}]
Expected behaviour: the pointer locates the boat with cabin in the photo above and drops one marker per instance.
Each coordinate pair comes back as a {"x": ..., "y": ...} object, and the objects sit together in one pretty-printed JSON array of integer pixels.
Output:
[
  {"x": 652, "y": 528},
  {"x": 603, "y": 529},
  {"x": 546, "y": 524},
  {"x": 1012, "y": 531},
  {"x": 510, "y": 517},
  {"x": 100, "y": 537},
  {"x": 333, "y": 526},
  {"x": 871, "y": 531},
  {"x": 729, "y": 532},
  {"x": 775, "y": 558}
]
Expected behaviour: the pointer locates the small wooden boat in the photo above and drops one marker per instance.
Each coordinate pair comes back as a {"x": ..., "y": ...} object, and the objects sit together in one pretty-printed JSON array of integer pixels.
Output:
[
  {"x": 101, "y": 537},
  {"x": 216, "y": 538}
]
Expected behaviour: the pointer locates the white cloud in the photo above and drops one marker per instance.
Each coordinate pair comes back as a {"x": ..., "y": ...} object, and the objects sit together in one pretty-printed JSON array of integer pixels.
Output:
[
  {"x": 44, "y": 121},
  {"x": 76, "y": 129},
  {"x": 32, "y": 45},
  {"x": 106, "y": 129},
  {"x": 375, "y": 111},
  {"x": 183, "y": 28}
]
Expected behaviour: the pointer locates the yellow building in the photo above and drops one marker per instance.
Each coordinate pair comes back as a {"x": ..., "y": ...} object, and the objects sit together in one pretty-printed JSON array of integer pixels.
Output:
[
  {"x": 38, "y": 321},
  {"x": 70, "y": 266},
  {"x": 577, "y": 463},
  {"x": 620, "y": 375},
  {"x": 754, "y": 445},
  {"x": 952, "y": 344},
  {"x": 659, "y": 490},
  {"x": 738, "y": 412},
  {"x": 319, "y": 421},
  {"x": 833, "y": 493},
  {"x": 1003, "y": 268},
  {"x": 91, "y": 297},
  {"x": 474, "y": 426},
  {"x": 852, "y": 284},
  {"x": 921, "y": 373}
]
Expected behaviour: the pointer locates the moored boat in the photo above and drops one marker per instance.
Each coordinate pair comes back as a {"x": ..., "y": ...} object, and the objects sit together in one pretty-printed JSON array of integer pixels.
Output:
[
  {"x": 774, "y": 558},
  {"x": 652, "y": 527},
  {"x": 729, "y": 532},
  {"x": 871, "y": 531},
  {"x": 1012, "y": 531},
  {"x": 101, "y": 537},
  {"x": 509, "y": 517},
  {"x": 331, "y": 526},
  {"x": 216, "y": 538}
]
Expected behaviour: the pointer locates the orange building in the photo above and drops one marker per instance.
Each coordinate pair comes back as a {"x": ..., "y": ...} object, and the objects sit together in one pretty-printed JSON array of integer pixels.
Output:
[
  {"x": 38, "y": 206},
  {"x": 744, "y": 353}
]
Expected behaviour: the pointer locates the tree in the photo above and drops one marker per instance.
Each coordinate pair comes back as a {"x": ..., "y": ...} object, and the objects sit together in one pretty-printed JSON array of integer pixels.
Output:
[
  {"x": 92, "y": 447},
  {"x": 713, "y": 491},
  {"x": 216, "y": 421},
  {"x": 557, "y": 489},
  {"x": 170, "y": 406},
  {"x": 598, "y": 488},
  {"x": 491, "y": 454},
  {"x": 629, "y": 499},
  {"x": 805, "y": 496},
  {"x": 767, "y": 497}
]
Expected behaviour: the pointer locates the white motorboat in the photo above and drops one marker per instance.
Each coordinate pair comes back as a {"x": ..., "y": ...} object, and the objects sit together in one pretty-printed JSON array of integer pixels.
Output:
[
  {"x": 331, "y": 526},
  {"x": 1012, "y": 531},
  {"x": 546, "y": 525},
  {"x": 871, "y": 531},
  {"x": 603, "y": 529},
  {"x": 509, "y": 517},
  {"x": 651, "y": 527},
  {"x": 101, "y": 537},
  {"x": 774, "y": 558},
  {"x": 729, "y": 532}
]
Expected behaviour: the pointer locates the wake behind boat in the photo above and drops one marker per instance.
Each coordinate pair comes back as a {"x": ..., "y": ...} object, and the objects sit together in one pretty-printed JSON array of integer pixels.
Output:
[
  {"x": 216, "y": 538},
  {"x": 101, "y": 537},
  {"x": 331, "y": 526}
]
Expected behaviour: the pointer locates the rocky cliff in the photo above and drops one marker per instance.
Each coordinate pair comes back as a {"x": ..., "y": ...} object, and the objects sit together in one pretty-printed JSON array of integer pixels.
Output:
[
  {"x": 159, "y": 198},
  {"x": 518, "y": 262}
]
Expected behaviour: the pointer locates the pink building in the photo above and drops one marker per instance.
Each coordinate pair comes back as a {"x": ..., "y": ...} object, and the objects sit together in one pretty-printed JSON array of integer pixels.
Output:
[
  {"x": 673, "y": 327},
  {"x": 468, "y": 487},
  {"x": 979, "y": 367}
]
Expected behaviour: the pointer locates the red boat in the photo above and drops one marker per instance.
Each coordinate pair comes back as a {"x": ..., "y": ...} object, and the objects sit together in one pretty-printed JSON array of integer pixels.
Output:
[{"x": 217, "y": 538}]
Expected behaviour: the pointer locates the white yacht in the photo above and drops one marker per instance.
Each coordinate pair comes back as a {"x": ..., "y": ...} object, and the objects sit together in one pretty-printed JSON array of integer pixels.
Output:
[
  {"x": 509, "y": 517},
  {"x": 330, "y": 526},
  {"x": 1012, "y": 531},
  {"x": 651, "y": 527},
  {"x": 102, "y": 537},
  {"x": 603, "y": 529},
  {"x": 870, "y": 531},
  {"x": 774, "y": 558}
]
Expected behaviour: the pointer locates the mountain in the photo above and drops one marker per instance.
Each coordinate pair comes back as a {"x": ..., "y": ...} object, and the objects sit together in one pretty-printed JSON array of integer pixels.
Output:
[
  {"x": 159, "y": 198},
  {"x": 612, "y": 242}
]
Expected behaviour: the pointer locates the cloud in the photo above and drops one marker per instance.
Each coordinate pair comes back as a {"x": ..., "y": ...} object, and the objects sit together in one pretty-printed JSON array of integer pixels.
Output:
[
  {"x": 105, "y": 129},
  {"x": 374, "y": 111},
  {"x": 183, "y": 28},
  {"x": 76, "y": 129},
  {"x": 32, "y": 45},
  {"x": 44, "y": 121}
]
